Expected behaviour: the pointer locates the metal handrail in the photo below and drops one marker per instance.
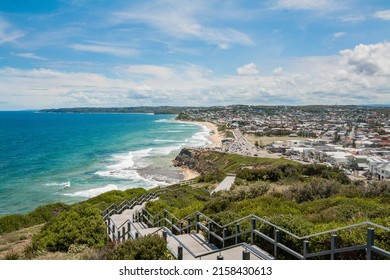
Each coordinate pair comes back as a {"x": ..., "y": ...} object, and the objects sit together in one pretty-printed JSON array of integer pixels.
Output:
[
  {"x": 165, "y": 229},
  {"x": 196, "y": 256},
  {"x": 107, "y": 211},
  {"x": 344, "y": 228},
  {"x": 275, "y": 226},
  {"x": 125, "y": 202},
  {"x": 242, "y": 244},
  {"x": 150, "y": 219},
  {"x": 135, "y": 201}
]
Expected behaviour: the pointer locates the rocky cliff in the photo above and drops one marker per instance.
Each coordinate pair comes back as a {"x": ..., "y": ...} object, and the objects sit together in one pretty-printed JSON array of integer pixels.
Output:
[{"x": 197, "y": 160}]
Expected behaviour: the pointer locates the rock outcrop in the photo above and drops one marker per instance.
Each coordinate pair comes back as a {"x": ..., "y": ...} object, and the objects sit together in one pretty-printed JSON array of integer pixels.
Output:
[{"x": 195, "y": 159}]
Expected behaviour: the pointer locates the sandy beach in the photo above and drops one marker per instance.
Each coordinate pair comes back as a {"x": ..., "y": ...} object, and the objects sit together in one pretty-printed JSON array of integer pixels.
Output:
[
  {"x": 215, "y": 136},
  {"x": 189, "y": 174}
]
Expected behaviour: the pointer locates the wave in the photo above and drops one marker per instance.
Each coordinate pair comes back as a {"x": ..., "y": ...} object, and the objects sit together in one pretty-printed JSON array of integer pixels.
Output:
[
  {"x": 94, "y": 192},
  {"x": 127, "y": 165},
  {"x": 62, "y": 185},
  {"x": 200, "y": 138},
  {"x": 167, "y": 141},
  {"x": 163, "y": 120},
  {"x": 166, "y": 150},
  {"x": 186, "y": 126},
  {"x": 130, "y": 166}
]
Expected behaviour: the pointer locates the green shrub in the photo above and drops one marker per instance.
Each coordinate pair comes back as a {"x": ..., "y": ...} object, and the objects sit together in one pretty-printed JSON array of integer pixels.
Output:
[
  {"x": 40, "y": 215},
  {"x": 149, "y": 247},
  {"x": 225, "y": 217},
  {"x": 317, "y": 188},
  {"x": 82, "y": 224},
  {"x": 104, "y": 200},
  {"x": 378, "y": 189},
  {"x": 181, "y": 198},
  {"x": 216, "y": 205},
  {"x": 252, "y": 191}
]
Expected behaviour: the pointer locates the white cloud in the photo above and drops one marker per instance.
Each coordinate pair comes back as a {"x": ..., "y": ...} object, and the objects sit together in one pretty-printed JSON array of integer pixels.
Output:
[
  {"x": 369, "y": 60},
  {"x": 383, "y": 15},
  {"x": 319, "y": 5},
  {"x": 106, "y": 48},
  {"x": 182, "y": 20},
  {"x": 353, "y": 18},
  {"x": 29, "y": 55},
  {"x": 8, "y": 33},
  {"x": 43, "y": 88},
  {"x": 339, "y": 34},
  {"x": 277, "y": 71},
  {"x": 248, "y": 70},
  {"x": 153, "y": 71},
  {"x": 358, "y": 75}
]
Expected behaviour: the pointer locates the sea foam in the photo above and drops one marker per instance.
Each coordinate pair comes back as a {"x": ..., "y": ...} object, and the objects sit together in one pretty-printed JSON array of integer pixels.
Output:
[
  {"x": 128, "y": 166},
  {"x": 61, "y": 185},
  {"x": 93, "y": 192}
]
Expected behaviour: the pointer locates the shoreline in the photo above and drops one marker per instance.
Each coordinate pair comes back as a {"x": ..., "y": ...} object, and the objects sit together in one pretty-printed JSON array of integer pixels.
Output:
[
  {"x": 82, "y": 191},
  {"x": 214, "y": 137}
]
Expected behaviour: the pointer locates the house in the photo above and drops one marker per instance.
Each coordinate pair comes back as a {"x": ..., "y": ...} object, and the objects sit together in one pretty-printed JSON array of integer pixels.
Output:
[
  {"x": 383, "y": 171},
  {"x": 337, "y": 158},
  {"x": 359, "y": 162},
  {"x": 373, "y": 163}
]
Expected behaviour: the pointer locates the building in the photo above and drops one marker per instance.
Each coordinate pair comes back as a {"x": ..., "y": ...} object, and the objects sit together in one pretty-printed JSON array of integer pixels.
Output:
[{"x": 383, "y": 171}]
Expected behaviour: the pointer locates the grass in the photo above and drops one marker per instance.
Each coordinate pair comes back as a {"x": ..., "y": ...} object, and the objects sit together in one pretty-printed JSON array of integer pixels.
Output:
[
  {"x": 227, "y": 163},
  {"x": 15, "y": 242},
  {"x": 265, "y": 140}
]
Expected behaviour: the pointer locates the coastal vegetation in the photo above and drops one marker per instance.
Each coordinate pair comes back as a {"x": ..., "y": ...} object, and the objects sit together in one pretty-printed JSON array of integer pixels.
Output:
[
  {"x": 149, "y": 247},
  {"x": 302, "y": 199},
  {"x": 40, "y": 215}
]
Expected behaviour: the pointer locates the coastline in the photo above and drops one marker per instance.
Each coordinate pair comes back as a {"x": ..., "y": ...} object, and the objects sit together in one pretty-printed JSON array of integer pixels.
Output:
[{"x": 215, "y": 137}]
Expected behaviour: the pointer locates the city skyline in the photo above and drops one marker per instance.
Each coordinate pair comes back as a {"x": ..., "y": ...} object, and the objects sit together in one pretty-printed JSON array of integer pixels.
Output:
[{"x": 133, "y": 53}]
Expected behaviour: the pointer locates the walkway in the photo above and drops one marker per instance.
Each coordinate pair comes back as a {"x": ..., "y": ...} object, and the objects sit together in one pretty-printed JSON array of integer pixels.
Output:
[
  {"x": 133, "y": 223},
  {"x": 226, "y": 184},
  {"x": 196, "y": 243}
]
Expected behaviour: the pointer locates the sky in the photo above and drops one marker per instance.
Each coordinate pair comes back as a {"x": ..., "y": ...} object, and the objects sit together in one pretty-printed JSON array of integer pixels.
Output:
[{"x": 120, "y": 53}]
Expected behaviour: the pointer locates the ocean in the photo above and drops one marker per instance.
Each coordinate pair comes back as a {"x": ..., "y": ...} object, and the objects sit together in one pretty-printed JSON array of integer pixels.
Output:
[{"x": 47, "y": 158}]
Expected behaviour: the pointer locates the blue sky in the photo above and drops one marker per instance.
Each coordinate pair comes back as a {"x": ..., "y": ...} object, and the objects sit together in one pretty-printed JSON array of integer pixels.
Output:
[{"x": 69, "y": 53}]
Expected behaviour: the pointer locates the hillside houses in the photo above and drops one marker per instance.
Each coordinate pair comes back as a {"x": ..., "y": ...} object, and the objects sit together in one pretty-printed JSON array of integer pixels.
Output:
[{"x": 355, "y": 138}]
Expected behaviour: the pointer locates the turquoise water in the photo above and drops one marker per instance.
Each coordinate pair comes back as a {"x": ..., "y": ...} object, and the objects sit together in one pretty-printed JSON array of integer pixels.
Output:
[{"x": 47, "y": 158}]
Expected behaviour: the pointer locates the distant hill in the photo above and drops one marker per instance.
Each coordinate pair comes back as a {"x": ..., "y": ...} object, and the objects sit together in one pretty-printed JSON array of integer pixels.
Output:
[
  {"x": 143, "y": 109},
  {"x": 376, "y": 105},
  {"x": 176, "y": 110}
]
